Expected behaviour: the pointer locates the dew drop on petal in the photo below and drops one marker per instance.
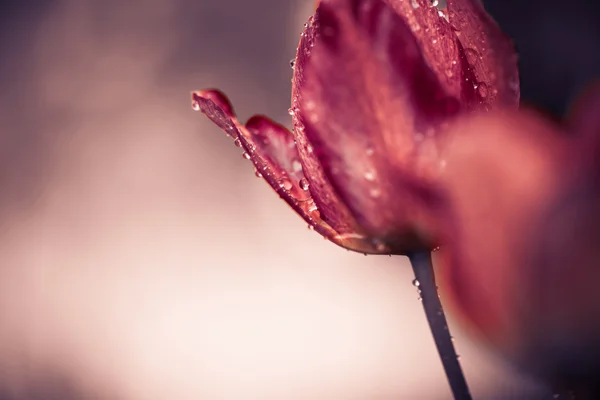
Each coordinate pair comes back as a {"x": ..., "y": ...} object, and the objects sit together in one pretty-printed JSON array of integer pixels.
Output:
[
  {"x": 311, "y": 228},
  {"x": 483, "y": 90},
  {"x": 258, "y": 174},
  {"x": 379, "y": 245},
  {"x": 195, "y": 105},
  {"x": 304, "y": 184},
  {"x": 414, "y": 4},
  {"x": 246, "y": 155},
  {"x": 296, "y": 166},
  {"x": 416, "y": 283},
  {"x": 237, "y": 142},
  {"x": 285, "y": 184},
  {"x": 293, "y": 63},
  {"x": 370, "y": 176},
  {"x": 291, "y": 111}
]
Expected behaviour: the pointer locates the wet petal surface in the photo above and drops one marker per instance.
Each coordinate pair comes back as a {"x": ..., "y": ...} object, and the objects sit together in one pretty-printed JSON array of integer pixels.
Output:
[
  {"x": 368, "y": 105},
  {"x": 488, "y": 50},
  {"x": 272, "y": 150}
]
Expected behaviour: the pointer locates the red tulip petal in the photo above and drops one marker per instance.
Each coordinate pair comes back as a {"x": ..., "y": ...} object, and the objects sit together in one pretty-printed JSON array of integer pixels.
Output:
[
  {"x": 441, "y": 49},
  {"x": 272, "y": 150},
  {"x": 501, "y": 170},
  {"x": 367, "y": 103},
  {"x": 488, "y": 50}
]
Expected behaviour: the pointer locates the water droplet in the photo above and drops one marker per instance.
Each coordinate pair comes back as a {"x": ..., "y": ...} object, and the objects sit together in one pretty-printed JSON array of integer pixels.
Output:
[
  {"x": 449, "y": 73},
  {"x": 414, "y": 4},
  {"x": 293, "y": 63},
  {"x": 246, "y": 155},
  {"x": 285, "y": 184},
  {"x": 472, "y": 55},
  {"x": 304, "y": 184},
  {"x": 483, "y": 90},
  {"x": 379, "y": 245},
  {"x": 195, "y": 105},
  {"x": 434, "y": 41},
  {"x": 436, "y": 249},
  {"x": 296, "y": 166},
  {"x": 237, "y": 142},
  {"x": 311, "y": 228},
  {"x": 370, "y": 176},
  {"x": 309, "y": 149},
  {"x": 258, "y": 174},
  {"x": 420, "y": 299},
  {"x": 312, "y": 207},
  {"x": 416, "y": 283},
  {"x": 292, "y": 111},
  {"x": 442, "y": 15},
  {"x": 435, "y": 3},
  {"x": 375, "y": 193}
]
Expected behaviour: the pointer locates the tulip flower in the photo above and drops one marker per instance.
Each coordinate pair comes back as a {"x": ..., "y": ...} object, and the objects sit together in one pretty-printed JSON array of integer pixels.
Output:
[{"x": 377, "y": 85}]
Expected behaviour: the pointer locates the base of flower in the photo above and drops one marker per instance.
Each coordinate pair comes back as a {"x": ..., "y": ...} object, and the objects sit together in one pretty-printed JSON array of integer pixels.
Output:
[{"x": 425, "y": 282}]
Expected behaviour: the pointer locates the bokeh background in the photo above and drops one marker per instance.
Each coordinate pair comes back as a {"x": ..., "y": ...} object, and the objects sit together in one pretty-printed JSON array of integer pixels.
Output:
[{"x": 139, "y": 256}]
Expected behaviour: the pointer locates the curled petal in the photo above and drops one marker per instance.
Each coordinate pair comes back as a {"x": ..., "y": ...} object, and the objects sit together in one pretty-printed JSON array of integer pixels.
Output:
[
  {"x": 369, "y": 106},
  {"x": 488, "y": 50},
  {"x": 272, "y": 150}
]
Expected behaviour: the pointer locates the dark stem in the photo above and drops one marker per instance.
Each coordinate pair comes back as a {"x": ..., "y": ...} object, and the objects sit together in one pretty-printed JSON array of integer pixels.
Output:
[{"x": 425, "y": 281}]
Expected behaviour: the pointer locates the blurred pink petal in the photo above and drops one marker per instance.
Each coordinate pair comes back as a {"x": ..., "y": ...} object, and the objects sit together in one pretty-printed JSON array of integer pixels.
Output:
[{"x": 520, "y": 257}]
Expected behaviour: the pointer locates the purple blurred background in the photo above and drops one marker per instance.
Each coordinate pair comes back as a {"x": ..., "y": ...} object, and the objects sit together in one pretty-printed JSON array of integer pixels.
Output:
[{"x": 139, "y": 256}]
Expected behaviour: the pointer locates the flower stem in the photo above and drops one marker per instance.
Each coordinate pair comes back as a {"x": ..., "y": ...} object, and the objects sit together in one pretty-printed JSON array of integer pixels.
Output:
[{"x": 425, "y": 281}]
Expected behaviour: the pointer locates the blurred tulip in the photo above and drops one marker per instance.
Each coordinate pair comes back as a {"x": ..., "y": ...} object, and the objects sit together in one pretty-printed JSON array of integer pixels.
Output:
[
  {"x": 376, "y": 83},
  {"x": 521, "y": 256}
]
